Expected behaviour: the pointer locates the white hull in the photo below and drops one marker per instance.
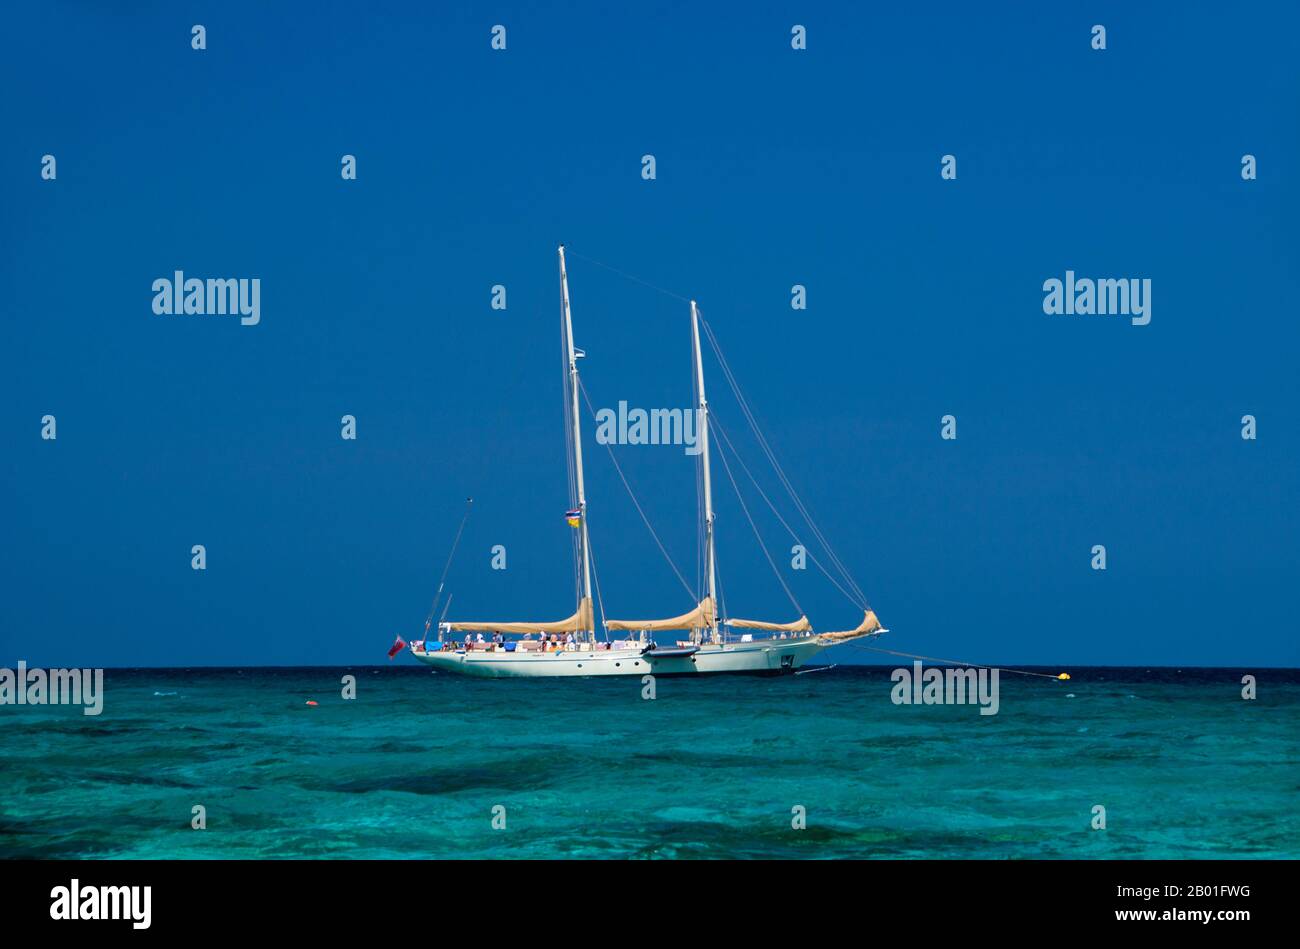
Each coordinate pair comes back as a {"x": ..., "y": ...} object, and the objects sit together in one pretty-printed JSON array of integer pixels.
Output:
[{"x": 765, "y": 656}]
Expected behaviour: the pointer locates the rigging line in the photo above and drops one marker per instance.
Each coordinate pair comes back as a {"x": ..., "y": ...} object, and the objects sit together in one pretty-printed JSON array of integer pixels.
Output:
[
  {"x": 776, "y": 465},
  {"x": 757, "y": 536},
  {"x": 741, "y": 461},
  {"x": 720, "y": 608},
  {"x": 469, "y": 503},
  {"x": 637, "y": 504},
  {"x": 854, "y": 598},
  {"x": 762, "y": 441},
  {"x": 771, "y": 457},
  {"x": 446, "y": 608},
  {"x": 856, "y": 601},
  {"x": 625, "y": 275},
  {"x": 958, "y": 662},
  {"x": 600, "y": 600}
]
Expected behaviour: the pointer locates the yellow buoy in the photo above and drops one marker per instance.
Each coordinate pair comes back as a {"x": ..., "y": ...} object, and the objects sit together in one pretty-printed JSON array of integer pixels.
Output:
[{"x": 1064, "y": 675}]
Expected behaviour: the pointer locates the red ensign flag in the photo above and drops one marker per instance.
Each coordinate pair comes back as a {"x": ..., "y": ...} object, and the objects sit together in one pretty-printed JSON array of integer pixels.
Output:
[{"x": 397, "y": 647}]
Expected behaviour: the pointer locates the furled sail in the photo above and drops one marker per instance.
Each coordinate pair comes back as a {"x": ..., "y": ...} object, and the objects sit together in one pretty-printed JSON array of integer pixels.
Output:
[
  {"x": 801, "y": 625},
  {"x": 868, "y": 625},
  {"x": 579, "y": 621},
  {"x": 697, "y": 618}
]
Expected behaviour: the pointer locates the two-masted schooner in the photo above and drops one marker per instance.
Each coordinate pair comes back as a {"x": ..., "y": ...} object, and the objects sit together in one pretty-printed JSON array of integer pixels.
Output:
[{"x": 570, "y": 647}]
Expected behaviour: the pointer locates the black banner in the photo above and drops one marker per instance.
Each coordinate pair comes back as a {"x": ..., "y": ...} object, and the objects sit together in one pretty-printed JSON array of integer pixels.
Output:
[{"x": 328, "y": 898}]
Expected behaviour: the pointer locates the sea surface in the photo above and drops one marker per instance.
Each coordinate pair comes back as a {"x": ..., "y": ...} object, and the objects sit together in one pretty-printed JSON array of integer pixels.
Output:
[{"x": 417, "y": 763}]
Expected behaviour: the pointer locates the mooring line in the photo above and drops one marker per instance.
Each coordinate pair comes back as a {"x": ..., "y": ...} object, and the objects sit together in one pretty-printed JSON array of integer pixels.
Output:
[{"x": 958, "y": 662}]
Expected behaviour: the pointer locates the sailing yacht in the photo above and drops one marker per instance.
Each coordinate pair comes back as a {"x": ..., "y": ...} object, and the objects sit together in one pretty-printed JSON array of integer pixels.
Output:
[{"x": 569, "y": 647}]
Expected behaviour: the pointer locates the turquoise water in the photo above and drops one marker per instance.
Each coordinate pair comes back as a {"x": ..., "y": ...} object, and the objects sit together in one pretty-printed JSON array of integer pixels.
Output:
[{"x": 710, "y": 768}]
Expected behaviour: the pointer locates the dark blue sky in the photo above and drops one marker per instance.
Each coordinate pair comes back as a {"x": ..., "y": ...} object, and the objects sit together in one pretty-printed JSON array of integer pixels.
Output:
[{"x": 775, "y": 167}]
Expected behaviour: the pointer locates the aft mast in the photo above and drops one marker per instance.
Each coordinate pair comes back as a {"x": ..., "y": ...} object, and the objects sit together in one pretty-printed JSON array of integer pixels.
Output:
[
  {"x": 584, "y": 572},
  {"x": 702, "y": 422}
]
